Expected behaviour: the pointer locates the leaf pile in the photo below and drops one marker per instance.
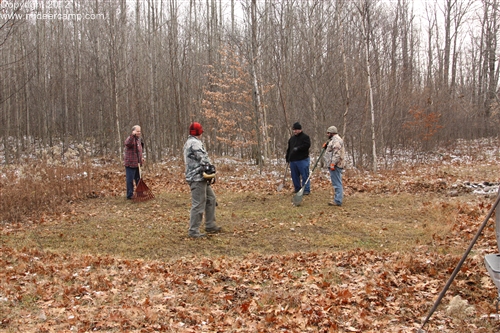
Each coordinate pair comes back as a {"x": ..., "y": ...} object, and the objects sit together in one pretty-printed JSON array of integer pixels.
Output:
[{"x": 355, "y": 291}]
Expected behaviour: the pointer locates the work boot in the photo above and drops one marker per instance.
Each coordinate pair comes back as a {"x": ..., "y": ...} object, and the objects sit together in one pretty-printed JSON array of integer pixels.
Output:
[
  {"x": 214, "y": 230},
  {"x": 197, "y": 235}
]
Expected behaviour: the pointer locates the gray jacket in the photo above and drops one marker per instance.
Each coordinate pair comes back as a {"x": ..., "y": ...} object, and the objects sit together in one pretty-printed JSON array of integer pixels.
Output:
[{"x": 195, "y": 157}]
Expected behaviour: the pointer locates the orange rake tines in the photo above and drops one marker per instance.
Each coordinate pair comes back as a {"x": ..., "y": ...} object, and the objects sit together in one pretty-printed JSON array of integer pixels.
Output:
[{"x": 142, "y": 191}]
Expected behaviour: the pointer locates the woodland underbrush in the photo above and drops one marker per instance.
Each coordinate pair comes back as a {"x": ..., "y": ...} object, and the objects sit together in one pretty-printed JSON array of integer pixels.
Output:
[{"x": 29, "y": 189}]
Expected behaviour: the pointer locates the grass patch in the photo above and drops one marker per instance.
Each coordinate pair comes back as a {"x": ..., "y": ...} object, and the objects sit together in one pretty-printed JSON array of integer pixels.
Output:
[{"x": 258, "y": 223}]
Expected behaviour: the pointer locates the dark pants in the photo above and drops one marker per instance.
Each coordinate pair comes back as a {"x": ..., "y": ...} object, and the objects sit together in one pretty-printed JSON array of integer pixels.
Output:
[
  {"x": 131, "y": 174},
  {"x": 203, "y": 201}
]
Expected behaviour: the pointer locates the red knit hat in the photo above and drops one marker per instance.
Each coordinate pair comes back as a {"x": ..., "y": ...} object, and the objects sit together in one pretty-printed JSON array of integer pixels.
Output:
[{"x": 195, "y": 129}]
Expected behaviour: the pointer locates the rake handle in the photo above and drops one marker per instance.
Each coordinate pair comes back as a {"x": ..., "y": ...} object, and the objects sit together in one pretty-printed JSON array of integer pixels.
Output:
[
  {"x": 139, "y": 160},
  {"x": 310, "y": 174}
]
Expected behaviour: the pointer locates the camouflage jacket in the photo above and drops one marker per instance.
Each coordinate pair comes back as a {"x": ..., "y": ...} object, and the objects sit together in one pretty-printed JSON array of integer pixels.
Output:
[
  {"x": 195, "y": 157},
  {"x": 335, "y": 152}
]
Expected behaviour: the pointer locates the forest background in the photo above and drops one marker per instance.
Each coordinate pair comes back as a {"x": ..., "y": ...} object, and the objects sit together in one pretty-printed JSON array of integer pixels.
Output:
[{"x": 391, "y": 75}]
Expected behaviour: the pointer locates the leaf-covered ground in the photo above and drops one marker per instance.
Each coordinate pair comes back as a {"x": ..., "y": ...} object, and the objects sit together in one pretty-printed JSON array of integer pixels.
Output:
[{"x": 92, "y": 269}]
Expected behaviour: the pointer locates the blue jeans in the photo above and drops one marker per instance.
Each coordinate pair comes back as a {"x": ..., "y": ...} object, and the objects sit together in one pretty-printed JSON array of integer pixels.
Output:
[
  {"x": 336, "y": 178},
  {"x": 300, "y": 169},
  {"x": 131, "y": 174}
]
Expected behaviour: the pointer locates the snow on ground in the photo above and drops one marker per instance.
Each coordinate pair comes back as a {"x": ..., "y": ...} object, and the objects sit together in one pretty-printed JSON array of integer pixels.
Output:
[{"x": 461, "y": 152}]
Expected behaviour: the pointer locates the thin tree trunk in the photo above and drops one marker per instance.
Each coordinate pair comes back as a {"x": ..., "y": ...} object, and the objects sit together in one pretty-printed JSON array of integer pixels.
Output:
[
  {"x": 114, "y": 61},
  {"x": 447, "y": 40},
  {"x": 344, "y": 62},
  {"x": 366, "y": 35},
  {"x": 256, "y": 93},
  {"x": 78, "y": 67}
]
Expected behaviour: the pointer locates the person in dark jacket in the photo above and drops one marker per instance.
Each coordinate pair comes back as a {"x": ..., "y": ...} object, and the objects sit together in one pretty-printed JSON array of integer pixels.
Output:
[
  {"x": 132, "y": 159},
  {"x": 297, "y": 154}
]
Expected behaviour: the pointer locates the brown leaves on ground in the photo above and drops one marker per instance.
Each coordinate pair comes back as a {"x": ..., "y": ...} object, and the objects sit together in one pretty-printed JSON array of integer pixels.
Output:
[{"x": 353, "y": 290}]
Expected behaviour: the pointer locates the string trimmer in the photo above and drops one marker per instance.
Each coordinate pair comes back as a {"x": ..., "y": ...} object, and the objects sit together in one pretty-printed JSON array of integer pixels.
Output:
[{"x": 297, "y": 198}]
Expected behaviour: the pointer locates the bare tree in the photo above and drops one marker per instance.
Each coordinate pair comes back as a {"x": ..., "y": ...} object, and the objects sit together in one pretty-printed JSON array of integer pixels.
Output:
[
  {"x": 256, "y": 91},
  {"x": 148, "y": 62},
  {"x": 340, "y": 21},
  {"x": 365, "y": 11}
]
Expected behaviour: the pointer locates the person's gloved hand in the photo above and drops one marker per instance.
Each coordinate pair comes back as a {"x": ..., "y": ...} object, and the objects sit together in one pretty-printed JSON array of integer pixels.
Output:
[
  {"x": 332, "y": 167},
  {"x": 209, "y": 171}
]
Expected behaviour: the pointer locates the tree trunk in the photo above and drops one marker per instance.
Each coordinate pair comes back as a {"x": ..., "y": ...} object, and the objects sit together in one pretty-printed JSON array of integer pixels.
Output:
[
  {"x": 366, "y": 26},
  {"x": 256, "y": 92},
  {"x": 345, "y": 71}
]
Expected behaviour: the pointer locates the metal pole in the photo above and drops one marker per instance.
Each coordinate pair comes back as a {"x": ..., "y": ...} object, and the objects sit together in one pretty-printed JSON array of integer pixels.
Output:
[{"x": 457, "y": 269}]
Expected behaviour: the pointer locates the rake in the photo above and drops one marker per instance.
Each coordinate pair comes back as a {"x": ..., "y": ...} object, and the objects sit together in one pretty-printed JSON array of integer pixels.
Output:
[
  {"x": 142, "y": 191},
  {"x": 297, "y": 198}
]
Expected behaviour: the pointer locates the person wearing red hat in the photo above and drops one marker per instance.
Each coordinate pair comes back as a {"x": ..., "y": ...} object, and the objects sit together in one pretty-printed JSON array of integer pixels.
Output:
[{"x": 200, "y": 175}]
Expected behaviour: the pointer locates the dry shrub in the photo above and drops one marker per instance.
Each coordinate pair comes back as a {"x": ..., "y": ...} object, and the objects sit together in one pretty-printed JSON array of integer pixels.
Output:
[
  {"x": 225, "y": 167},
  {"x": 27, "y": 190}
]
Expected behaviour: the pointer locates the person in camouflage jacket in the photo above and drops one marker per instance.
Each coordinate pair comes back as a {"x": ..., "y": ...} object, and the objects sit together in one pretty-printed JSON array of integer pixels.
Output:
[
  {"x": 203, "y": 200},
  {"x": 335, "y": 162}
]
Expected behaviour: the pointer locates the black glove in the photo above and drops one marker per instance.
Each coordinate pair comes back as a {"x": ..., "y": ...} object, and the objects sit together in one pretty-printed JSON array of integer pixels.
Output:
[{"x": 209, "y": 171}]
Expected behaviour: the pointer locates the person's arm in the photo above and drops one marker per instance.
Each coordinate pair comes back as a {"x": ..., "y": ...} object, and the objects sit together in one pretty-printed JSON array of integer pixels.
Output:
[
  {"x": 305, "y": 144},
  {"x": 130, "y": 141},
  {"x": 335, "y": 149},
  {"x": 199, "y": 153}
]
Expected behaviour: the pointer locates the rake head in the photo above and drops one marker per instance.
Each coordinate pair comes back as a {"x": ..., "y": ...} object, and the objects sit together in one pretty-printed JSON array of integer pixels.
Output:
[{"x": 142, "y": 192}]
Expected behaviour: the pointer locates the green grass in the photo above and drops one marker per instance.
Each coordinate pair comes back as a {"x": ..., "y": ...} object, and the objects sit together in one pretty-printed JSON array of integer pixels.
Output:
[{"x": 259, "y": 223}]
